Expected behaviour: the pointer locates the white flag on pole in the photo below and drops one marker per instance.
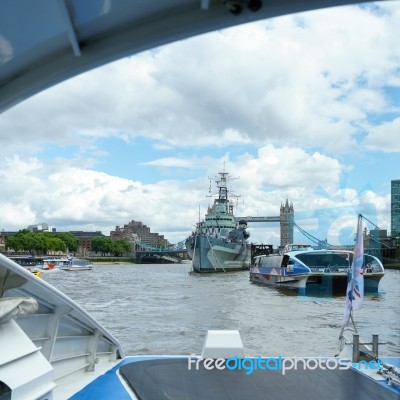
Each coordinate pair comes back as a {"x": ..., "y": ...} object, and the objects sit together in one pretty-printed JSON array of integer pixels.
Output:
[{"x": 355, "y": 282}]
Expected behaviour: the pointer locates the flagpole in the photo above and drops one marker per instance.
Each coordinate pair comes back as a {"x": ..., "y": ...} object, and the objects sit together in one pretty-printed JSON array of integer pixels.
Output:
[{"x": 355, "y": 285}]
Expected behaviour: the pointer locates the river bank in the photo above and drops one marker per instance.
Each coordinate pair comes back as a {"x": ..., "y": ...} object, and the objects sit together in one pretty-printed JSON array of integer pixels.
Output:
[
  {"x": 111, "y": 260},
  {"x": 392, "y": 266}
]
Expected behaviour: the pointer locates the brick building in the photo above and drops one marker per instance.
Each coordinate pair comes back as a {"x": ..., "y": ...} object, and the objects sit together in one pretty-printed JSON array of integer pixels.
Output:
[
  {"x": 142, "y": 232},
  {"x": 85, "y": 240}
]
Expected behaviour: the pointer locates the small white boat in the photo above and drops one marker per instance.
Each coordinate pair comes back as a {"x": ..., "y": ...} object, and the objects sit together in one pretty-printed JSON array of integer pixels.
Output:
[
  {"x": 65, "y": 264},
  {"x": 52, "y": 264},
  {"x": 77, "y": 264}
]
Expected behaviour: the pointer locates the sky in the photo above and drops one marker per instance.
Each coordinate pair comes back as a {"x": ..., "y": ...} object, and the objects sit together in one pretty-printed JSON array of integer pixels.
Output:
[{"x": 303, "y": 107}]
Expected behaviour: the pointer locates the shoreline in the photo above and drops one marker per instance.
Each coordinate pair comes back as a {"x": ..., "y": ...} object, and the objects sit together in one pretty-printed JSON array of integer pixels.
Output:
[
  {"x": 392, "y": 266},
  {"x": 112, "y": 262}
]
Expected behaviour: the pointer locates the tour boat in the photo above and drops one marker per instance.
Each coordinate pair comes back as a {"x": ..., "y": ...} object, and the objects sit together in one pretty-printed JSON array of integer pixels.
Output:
[
  {"x": 330, "y": 267},
  {"x": 77, "y": 264}
]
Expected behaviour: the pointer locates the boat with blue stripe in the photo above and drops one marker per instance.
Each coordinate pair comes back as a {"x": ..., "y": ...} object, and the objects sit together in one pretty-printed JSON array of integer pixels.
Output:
[{"x": 278, "y": 270}]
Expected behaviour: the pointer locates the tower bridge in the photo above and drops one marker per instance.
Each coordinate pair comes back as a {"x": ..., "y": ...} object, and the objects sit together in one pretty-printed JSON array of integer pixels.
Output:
[{"x": 285, "y": 218}]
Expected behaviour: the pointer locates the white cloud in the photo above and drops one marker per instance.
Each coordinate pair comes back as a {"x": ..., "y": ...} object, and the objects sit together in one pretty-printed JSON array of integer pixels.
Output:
[
  {"x": 300, "y": 89},
  {"x": 170, "y": 162},
  {"x": 385, "y": 137},
  {"x": 267, "y": 82},
  {"x": 72, "y": 198}
]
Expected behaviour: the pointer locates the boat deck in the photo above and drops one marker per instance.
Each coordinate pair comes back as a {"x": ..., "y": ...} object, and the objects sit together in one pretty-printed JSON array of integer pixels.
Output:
[{"x": 170, "y": 378}]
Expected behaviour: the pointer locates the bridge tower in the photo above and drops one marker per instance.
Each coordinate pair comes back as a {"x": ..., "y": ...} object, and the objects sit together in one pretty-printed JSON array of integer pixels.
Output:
[{"x": 287, "y": 223}]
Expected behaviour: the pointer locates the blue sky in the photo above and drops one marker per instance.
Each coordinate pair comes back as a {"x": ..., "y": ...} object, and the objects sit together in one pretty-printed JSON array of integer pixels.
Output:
[{"x": 304, "y": 107}]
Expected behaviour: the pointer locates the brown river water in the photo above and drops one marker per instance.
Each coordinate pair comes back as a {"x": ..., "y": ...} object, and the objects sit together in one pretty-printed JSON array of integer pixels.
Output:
[{"x": 163, "y": 309}]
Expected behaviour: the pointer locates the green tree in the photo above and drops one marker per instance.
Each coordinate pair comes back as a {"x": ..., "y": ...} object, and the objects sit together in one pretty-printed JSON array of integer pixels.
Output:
[
  {"x": 21, "y": 241},
  {"x": 106, "y": 246},
  {"x": 39, "y": 243},
  {"x": 119, "y": 247},
  {"x": 14, "y": 242},
  {"x": 101, "y": 245},
  {"x": 55, "y": 244},
  {"x": 69, "y": 239}
]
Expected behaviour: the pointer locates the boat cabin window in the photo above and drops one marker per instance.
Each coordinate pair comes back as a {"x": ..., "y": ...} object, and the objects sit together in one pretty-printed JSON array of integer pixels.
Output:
[
  {"x": 298, "y": 247},
  {"x": 371, "y": 262},
  {"x": 326, "y": 259}
]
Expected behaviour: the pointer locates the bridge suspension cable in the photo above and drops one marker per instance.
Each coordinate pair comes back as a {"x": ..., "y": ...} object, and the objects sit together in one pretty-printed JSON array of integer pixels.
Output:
[
  {"x": 322, "y": 243},
  {"x": 363, "y": 217},
  {"x": 372, "y": 237}
]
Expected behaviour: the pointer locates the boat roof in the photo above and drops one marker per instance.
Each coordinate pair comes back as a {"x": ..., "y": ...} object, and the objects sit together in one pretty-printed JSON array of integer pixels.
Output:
[
  {"x": 43, "y": 43},
  {"x": 172, "y": 378},
  {"x": 320, "y": 251}
]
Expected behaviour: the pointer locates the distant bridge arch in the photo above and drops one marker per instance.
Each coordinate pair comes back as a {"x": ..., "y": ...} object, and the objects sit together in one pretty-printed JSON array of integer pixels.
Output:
[{"x": 175, "y": 253}]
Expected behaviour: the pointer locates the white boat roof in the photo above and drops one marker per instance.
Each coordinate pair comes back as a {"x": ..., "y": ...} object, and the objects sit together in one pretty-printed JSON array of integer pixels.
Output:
[
  {"x": 43, "y": 43},
  {"x": 320, "y": 251}
]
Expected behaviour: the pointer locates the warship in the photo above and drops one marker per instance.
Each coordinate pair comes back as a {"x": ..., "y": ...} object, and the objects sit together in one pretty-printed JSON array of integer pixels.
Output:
[{"x": 219, "y": 242}]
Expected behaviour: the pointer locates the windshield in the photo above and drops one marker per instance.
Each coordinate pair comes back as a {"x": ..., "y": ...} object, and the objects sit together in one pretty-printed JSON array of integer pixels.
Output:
[{"x": 325, "y": 260}]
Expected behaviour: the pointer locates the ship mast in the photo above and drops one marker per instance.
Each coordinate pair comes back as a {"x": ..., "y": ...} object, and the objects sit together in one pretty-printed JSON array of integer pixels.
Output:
[
  {"x": 223, "y": 189},
  {"x": 222, "y": 197}
]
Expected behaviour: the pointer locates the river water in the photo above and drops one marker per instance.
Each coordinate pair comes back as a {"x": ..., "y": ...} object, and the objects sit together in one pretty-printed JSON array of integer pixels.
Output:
[{"x": 163, "y": 309}]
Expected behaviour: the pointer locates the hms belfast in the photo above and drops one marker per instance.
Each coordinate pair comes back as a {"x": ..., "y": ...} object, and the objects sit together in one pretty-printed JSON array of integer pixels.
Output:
[{"x": 219, "y": 243}]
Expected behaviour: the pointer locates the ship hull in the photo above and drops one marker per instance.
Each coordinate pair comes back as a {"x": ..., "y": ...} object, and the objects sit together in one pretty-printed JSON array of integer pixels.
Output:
[
  {"x": 274, "y": 270},
  {"x": 294, "y": 281},
  {"x": 211, "y": 254},
  {"x": 336, "y": 282}
]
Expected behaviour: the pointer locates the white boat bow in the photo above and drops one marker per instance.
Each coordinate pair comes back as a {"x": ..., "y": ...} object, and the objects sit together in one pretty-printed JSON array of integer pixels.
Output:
[{"x": 49, "y": 344}]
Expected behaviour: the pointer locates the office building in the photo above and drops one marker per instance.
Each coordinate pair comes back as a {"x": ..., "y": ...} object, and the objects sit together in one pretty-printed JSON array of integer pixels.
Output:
[{"x": 395, "y": 208}]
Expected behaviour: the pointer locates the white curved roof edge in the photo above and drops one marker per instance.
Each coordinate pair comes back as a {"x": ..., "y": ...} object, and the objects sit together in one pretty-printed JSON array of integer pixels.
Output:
[
  {"x": 44, "y": 43},
  {"x": 19, "y": 278}
]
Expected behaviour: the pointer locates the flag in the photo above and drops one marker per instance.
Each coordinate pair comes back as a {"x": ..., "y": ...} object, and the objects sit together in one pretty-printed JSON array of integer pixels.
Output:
[{"x": 355, "y": 278}]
